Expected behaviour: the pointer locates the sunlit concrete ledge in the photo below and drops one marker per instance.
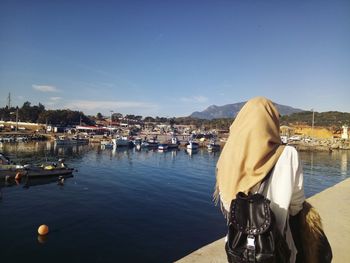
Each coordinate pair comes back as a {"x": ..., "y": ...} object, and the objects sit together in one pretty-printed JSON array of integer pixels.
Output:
[{"x": 333, "y": 204}]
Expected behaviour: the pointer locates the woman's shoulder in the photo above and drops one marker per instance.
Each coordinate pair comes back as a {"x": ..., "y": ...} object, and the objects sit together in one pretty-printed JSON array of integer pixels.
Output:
[{"x": 289, "y": 152}]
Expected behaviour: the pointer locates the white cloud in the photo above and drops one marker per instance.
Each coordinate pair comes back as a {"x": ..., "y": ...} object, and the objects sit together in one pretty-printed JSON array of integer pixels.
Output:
[
  {"x": 45, "y": 88},
  {"x": 55, "y": 98},
  {"x": 200, "y": 99},
  {"x": 91, "y": 105}
]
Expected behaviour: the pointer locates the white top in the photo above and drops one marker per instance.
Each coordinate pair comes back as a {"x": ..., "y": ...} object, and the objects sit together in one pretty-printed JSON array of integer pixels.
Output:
[{"x": 285, "y": 189}]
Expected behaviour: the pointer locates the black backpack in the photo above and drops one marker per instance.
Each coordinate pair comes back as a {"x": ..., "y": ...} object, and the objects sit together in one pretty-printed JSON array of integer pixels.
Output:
[{"x": 253, "y": 235}]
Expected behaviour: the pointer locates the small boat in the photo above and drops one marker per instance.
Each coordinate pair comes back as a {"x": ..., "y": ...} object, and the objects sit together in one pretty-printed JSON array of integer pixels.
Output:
[
  {"x": 192, "y": 145},
  {"x": 75, "y": 140},
  {"x": 174, "y": 143},
  {"x": 162, "y": 146},
  {"x": 137, "y": 141},
  {"x": 122, "y": 142},
  {"x": 78, "y": 140},
  {"x": 213, "y": 147},
  {"x": 152, "y": 143},
  {"x": 62, "y": 140},
  {"x": 107, "y": 144},
  {"x": 11, "y": 171}
]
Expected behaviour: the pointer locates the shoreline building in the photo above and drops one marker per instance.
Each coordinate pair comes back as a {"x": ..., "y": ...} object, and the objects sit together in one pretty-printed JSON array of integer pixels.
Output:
[{"x": 345, "y": 134}]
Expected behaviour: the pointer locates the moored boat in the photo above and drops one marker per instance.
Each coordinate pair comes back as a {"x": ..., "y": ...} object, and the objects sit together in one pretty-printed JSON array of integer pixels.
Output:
[
  {"x": 10, "y": 171},
  {"x": 107, "y": 144},
  {"x": 152, "y": 143},
  {"x": 163, "y": 146},
  {"x": 62, "y": 140},
  {"x": 174, "y": 143},
  {"x": 122, "y": 142},
  {"x": 75, "y": 140},
  {"x": 79, "y": 140},
  {"x": 213, "y": 147},
  {"x": 192, "y": 145}
]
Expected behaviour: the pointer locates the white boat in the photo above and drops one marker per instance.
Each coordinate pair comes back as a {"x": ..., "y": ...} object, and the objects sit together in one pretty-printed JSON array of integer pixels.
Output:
[
  {"x": 174, "y": 143},
  {"x": 163, "y": 146},
  {"x": 137, "y": 141},
  {"x": 62, "y": 140},
  {"x": 192, "y": 145},
  {"x": 152, "y": 143},
  {"x": 121, "y": 142},
  {"x": 107, "y": 144},
  {"x": 10, "y": 171},
  {"x": 78, "y": 140},
  {"x": 213, "y": 147}
]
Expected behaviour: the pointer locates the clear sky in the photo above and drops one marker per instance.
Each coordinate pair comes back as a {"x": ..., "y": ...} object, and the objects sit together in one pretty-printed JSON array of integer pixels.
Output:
[{"x": 170, "y": 58}]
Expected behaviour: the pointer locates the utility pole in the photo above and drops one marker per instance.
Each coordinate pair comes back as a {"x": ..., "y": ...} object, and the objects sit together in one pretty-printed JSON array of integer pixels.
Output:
[
  {"x": 9, "y": 101},
  {"x": 313, "y": 121},
  {"x": 17, "y": 119},
  {"x": 111, "y": 118}
]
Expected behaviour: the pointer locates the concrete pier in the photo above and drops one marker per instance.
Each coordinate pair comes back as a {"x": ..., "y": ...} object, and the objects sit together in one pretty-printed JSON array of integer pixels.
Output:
[{"x": 333, "y": 204}]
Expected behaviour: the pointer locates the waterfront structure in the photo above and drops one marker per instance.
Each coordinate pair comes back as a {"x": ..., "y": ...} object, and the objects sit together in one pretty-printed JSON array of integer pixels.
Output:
[{"x": 345, "y": 134}]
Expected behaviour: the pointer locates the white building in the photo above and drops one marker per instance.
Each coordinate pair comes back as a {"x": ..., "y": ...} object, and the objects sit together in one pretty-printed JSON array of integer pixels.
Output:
[{"x": 345, "y": 134}]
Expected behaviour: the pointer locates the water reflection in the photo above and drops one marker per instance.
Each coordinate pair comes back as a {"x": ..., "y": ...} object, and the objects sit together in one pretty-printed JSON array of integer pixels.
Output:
[
  {"x": 42, "y": 239},
  {"x": 323, "y": 169},
  {"x": 344, "y": 163},
  {"x": 191, "y": 152},
  {"x": 116, "y": 190},
  {"x": 174, "y": 154},
  {"x": 312, "y": 163}
]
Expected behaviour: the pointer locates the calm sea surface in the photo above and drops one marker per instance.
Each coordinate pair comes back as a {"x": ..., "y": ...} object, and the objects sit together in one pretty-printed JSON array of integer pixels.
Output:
[{"x": 125, "y": 205}]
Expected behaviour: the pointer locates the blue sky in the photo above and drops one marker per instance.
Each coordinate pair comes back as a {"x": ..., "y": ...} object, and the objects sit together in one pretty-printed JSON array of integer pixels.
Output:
[{"x": 170, "y": 58}]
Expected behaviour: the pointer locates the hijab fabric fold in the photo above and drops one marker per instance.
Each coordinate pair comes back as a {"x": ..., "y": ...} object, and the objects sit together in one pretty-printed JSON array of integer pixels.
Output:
[{"x": 251, "y": 151}]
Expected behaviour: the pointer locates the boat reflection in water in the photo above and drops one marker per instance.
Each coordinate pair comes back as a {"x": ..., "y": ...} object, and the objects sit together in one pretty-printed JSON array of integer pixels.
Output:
[{"x": 190, "y": 152}]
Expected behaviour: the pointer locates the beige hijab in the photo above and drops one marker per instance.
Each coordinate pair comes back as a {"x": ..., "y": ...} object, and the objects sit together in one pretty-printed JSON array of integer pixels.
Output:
[{"x": 251, "y": 151}]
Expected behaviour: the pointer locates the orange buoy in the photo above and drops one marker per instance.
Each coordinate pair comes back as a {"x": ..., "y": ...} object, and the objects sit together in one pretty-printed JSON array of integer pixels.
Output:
[{"x": 43, "y": 230}]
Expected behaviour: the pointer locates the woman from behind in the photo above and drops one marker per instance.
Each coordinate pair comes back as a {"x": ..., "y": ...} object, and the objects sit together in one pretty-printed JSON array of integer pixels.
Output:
[{"x": 253, "y": 151}]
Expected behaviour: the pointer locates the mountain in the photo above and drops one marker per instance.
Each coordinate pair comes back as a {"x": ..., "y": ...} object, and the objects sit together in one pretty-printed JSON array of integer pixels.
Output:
[{"x": 231, "y": 110}]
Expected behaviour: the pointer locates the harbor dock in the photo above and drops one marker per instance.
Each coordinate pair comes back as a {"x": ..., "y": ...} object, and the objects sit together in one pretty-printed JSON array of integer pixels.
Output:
[{"x": 333, "y": 206}]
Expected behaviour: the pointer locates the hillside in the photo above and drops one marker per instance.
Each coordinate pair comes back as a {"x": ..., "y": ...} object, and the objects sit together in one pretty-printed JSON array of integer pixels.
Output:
[
  {"x": 325, "y": 119},
  {"x": 231, "y": 110}
]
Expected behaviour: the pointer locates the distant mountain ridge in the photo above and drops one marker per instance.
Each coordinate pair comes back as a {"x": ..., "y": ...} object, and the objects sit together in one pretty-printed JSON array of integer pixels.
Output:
[{"x": 231, "y": 110}]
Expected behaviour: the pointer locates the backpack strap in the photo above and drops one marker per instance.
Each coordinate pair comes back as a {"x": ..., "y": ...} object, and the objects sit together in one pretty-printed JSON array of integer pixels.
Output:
[{"x": 263, "y": 183}]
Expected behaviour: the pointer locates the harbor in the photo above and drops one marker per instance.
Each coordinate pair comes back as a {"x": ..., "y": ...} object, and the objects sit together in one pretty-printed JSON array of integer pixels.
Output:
[
  {"x": 120, "y": 198},
  {"x": 122, "y": 122}
]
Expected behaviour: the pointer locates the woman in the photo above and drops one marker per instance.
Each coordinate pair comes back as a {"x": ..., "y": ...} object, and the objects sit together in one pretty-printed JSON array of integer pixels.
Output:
[{"x": 254, "y": 149}]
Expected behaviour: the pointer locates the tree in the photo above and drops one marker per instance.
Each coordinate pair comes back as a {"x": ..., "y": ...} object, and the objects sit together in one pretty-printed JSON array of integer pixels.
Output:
[
  {"x": 130, "y": 117},
  {"x": 138, "y": 117},
  {"x": 116, "y": 116},
  {"x": 99, "y": 116},
  {"x": 149, "y": 119}
]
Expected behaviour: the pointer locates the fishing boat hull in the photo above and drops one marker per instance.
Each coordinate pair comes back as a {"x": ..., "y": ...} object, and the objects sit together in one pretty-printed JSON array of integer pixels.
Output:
[
  {"x": 192, "y": 146},
  {"x": 34, "y": 172},
  {"x": 163, "y": 147}
]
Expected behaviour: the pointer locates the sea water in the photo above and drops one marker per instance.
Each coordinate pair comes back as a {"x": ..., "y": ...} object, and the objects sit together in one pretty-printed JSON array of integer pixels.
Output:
[{"x": 124, "y": 205}]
